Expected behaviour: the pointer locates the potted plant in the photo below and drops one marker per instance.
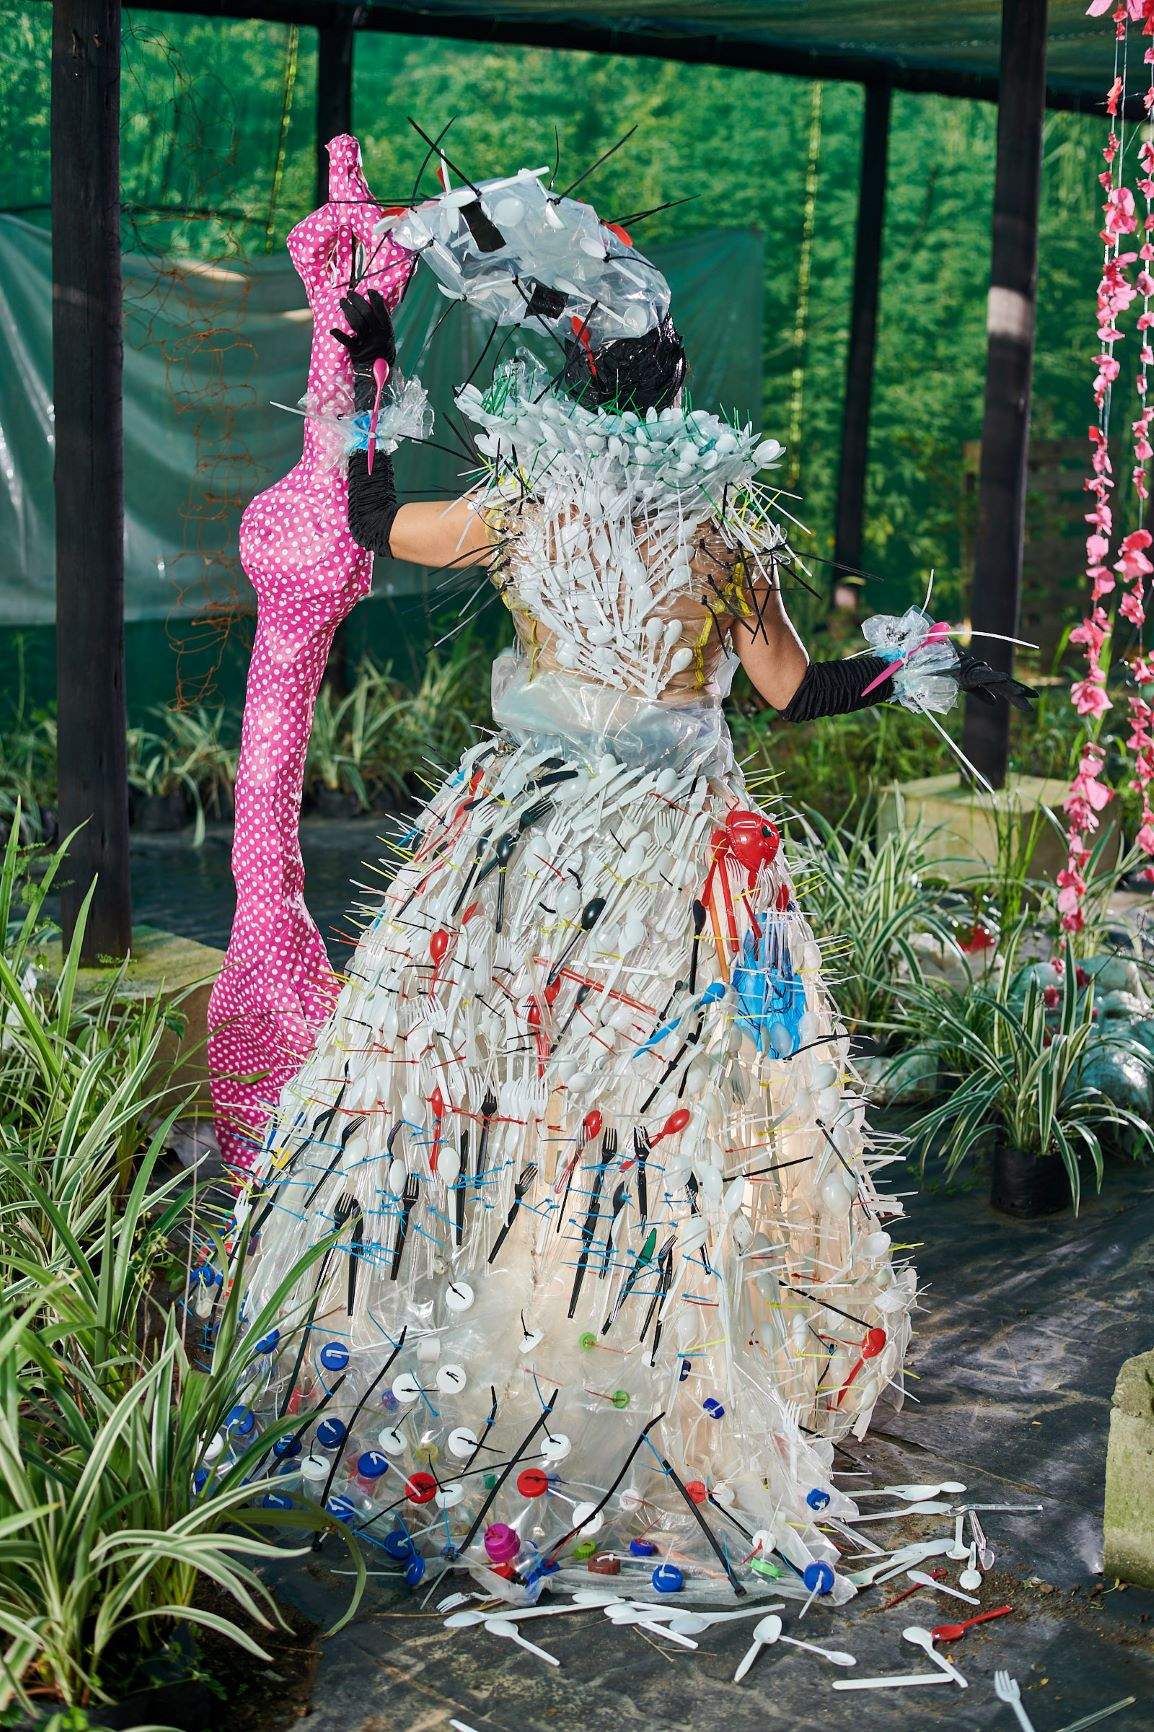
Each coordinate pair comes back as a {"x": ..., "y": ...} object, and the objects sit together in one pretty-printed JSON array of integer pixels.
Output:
[
  {"x": 878, "y": 896},
  {"x": 164, "y": 794},
  {"x": 1015, "y": 1081}
]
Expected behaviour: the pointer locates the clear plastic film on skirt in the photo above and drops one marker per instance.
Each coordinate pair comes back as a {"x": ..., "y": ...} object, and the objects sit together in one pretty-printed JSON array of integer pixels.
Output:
[{"x": 594, "y": 720}]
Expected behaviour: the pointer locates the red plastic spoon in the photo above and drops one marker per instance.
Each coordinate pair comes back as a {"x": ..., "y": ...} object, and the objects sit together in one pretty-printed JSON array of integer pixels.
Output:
[{"x": 951, "y": 1632}]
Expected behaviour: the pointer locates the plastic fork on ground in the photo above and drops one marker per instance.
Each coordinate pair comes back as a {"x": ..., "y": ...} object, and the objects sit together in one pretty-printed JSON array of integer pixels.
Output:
[{"x": 1009, "y": 1691}]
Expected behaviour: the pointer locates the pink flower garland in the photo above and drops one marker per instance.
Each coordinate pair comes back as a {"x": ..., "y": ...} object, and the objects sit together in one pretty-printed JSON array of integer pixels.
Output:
[{"x": 1089, "y": 794}]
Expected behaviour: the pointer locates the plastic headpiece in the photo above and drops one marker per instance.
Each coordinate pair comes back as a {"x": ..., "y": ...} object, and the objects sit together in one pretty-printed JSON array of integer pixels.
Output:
[{"x": 523, "y": 255}]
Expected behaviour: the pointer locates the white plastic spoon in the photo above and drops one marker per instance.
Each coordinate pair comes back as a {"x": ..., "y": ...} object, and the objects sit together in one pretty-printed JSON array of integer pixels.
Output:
[
  {"x": 692, "y": 1623},
  {"x": 913, "y": 1509},
  {"x": 509, "y": 1632},
  {"x": 923, "y": 1639},
  {"x": 898, "y": 1680},
  {"x": 924, "y": 1581},
  {"x": 910, "y": 1493},
  {"x": 971, "y": 1576},
  {"x": 765, "y": 1633}
]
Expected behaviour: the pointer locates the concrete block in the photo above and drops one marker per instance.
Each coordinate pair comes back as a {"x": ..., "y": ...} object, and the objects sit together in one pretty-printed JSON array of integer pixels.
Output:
[
  {"x": 1130, "y": 1475},
  {"x": 965, "y": 821},
  {"x": 166, "y": 966}
]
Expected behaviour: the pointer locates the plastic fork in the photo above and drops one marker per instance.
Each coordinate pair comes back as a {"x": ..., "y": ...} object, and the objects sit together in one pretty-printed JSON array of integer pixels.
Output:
[{"x": 1008, "y": 1691}]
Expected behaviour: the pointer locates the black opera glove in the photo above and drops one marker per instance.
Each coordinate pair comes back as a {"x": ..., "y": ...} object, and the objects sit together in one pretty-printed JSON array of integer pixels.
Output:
[
  {"x": 989, "y": 684},
  {"x": 838, "y": 688},
  {"x": 372, "y": 337},
  {"x": 373, "y": 502}
]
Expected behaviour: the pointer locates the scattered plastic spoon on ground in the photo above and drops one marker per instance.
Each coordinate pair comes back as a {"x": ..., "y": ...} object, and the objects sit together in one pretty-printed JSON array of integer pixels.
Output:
[{"x": 924, "y": 1639}]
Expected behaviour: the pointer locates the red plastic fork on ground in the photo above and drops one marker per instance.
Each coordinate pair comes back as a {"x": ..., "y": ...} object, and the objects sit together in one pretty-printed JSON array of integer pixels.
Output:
[{"x": 951, "y": 1632}]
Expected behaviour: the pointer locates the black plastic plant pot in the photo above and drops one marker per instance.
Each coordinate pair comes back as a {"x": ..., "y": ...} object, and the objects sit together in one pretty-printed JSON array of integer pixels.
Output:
[
  {"x": 1027, "y": 1185},
  {"x": 191, "y": 1706},
  {"x": 155, "y": 813},
  {"x": 333, "y": 803}
]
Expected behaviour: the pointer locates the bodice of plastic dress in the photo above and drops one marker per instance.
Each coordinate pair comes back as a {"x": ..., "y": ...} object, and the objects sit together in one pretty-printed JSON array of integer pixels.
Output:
[
  {"x": 276, "y": 986},
  {"x": 623, "y": 634}
]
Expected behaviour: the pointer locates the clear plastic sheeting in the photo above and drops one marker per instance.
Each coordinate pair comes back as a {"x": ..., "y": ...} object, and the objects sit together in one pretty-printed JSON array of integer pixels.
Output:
[
  {"x": 208, "y": 350},
  {"x": 590, "y": 719},
  {"x": 522, "y": 255}
]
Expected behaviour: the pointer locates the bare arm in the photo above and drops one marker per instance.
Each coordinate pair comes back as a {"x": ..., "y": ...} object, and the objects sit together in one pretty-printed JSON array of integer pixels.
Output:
[
  {"x": 429, "y": 532},
  {"x": 771, "y": 652}
]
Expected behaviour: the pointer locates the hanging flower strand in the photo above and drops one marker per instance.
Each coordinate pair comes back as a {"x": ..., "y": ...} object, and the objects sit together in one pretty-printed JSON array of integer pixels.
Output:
[{"x": 1089, "y": 793}]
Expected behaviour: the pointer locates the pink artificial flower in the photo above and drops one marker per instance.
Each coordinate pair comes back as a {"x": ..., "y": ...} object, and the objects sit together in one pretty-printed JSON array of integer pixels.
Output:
[
  {"x": 1089, "y": 698},
  {"x": 1134, "y": 563}
]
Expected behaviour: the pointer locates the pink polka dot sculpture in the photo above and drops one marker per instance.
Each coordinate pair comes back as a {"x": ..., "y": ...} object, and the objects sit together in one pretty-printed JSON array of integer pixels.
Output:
[{"x": 276, "y": 987}]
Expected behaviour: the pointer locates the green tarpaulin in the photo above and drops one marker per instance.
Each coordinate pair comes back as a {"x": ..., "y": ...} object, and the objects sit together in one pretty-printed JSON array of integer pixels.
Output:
[{"x": 210, "y": 348}]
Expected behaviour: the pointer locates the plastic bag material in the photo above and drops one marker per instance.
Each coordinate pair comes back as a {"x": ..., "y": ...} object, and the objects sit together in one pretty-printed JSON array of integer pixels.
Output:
[
  {"x": 594, "y": 720},
  {"x": 522, "y": 256}
]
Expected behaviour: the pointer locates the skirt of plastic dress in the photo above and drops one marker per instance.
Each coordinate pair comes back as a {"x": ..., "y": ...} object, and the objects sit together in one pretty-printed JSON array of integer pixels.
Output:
[{"x": 607, "y": 1270}]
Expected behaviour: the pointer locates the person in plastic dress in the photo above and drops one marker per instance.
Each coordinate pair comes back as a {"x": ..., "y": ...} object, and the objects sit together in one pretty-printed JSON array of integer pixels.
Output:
[{"x": 602, "y": 1267}]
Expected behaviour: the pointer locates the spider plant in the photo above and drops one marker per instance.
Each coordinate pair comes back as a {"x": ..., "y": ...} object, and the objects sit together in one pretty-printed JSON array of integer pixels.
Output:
[
  {"x": 205, "y": 741},
  {"x": 1013, "y": 1071},
  {"x": 877, "y": 895},
  {"x": 108, "y": 1526},
  {"x": 159, "y": 769}
]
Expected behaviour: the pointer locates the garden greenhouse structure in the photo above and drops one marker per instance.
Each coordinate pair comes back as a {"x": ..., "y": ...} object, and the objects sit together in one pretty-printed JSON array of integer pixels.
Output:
[{"x": 1022, "y": 54}]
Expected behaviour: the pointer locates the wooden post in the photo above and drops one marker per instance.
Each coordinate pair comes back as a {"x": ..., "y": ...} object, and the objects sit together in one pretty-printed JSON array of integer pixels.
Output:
[
  {"x": 859, "y": 375},
  {"x": 334, "y": 92},
  {"x": 87, "y": 365},
  {"x": 996, "y": 592}
]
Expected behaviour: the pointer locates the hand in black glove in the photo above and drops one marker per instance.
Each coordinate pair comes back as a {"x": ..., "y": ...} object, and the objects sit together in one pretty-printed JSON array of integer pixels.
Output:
[
  {"x": 372, "y": 336},
  {"x": 989, "y": 684}
]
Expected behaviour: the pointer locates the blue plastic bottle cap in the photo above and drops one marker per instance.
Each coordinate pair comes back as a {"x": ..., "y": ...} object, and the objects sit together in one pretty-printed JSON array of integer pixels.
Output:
[
  {"x": 270, "y": 1342},
  {"x": 277, "y": 1500},
  {"x": 415, "y": 1570},
  {"x": 284, "y": 1447},
  {"x": 819, "y": 1576},
  {"x": 331, "y": 1433},
  {"x": 713, "y": 1407},
  {"x": 685, "y": 1368},
  {"x": 342, "y": 1507},
  {"x": 241, "y": 1420},
  {"x": 372, "y": 1464},
  {"x": 667, "y": 1579},
  {"x": 817, "y": 1499},
  {"x": 642, "y": 1548},
  {"x": 334, "y": 1355},
  {"x": 200, "y": 1479},
  {"x": 398, "y": 1545}
]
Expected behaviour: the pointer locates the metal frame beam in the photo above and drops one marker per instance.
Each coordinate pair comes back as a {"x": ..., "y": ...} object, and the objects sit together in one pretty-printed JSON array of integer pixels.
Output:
[{"x": 789, "y": 59}]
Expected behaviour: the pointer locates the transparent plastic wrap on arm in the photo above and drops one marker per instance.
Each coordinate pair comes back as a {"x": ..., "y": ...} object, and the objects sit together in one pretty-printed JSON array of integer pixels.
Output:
[
  {"x": 923, "y": 656},
  {"x": 595, "y": 719}
]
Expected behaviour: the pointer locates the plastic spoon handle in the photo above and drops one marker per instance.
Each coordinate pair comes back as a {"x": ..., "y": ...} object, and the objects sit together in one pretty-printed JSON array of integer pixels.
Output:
[
  {"x": 837, "y": 1656},
  {"x": 924, "y": 1581},
  {"x": 899, "y": 1680},
  {"x": 747, "y": 1660},
  {"x": 1101, "y": 1714},
  {"x": 509, "y": 1632},
  {"x": 951, "y": 1632},
  {"x": 911, "y": 1509}
]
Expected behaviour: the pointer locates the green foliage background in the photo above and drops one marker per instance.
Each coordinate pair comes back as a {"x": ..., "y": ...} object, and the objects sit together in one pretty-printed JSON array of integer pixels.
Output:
[{"x": 218, "y": 161}]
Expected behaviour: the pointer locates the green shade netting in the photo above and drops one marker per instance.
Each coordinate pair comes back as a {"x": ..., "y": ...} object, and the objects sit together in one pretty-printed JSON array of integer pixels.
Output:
[
  {"x": 955, "y": 35},
  {"x": 211, "y": 348}
]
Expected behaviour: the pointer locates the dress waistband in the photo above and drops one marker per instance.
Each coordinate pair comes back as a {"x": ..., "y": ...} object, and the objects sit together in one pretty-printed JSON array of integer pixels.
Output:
[{"x": 594, "y": 719}]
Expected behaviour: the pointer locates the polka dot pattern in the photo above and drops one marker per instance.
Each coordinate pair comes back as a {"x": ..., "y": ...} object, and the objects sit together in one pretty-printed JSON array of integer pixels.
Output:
[{"x": 276, "y": 987}]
